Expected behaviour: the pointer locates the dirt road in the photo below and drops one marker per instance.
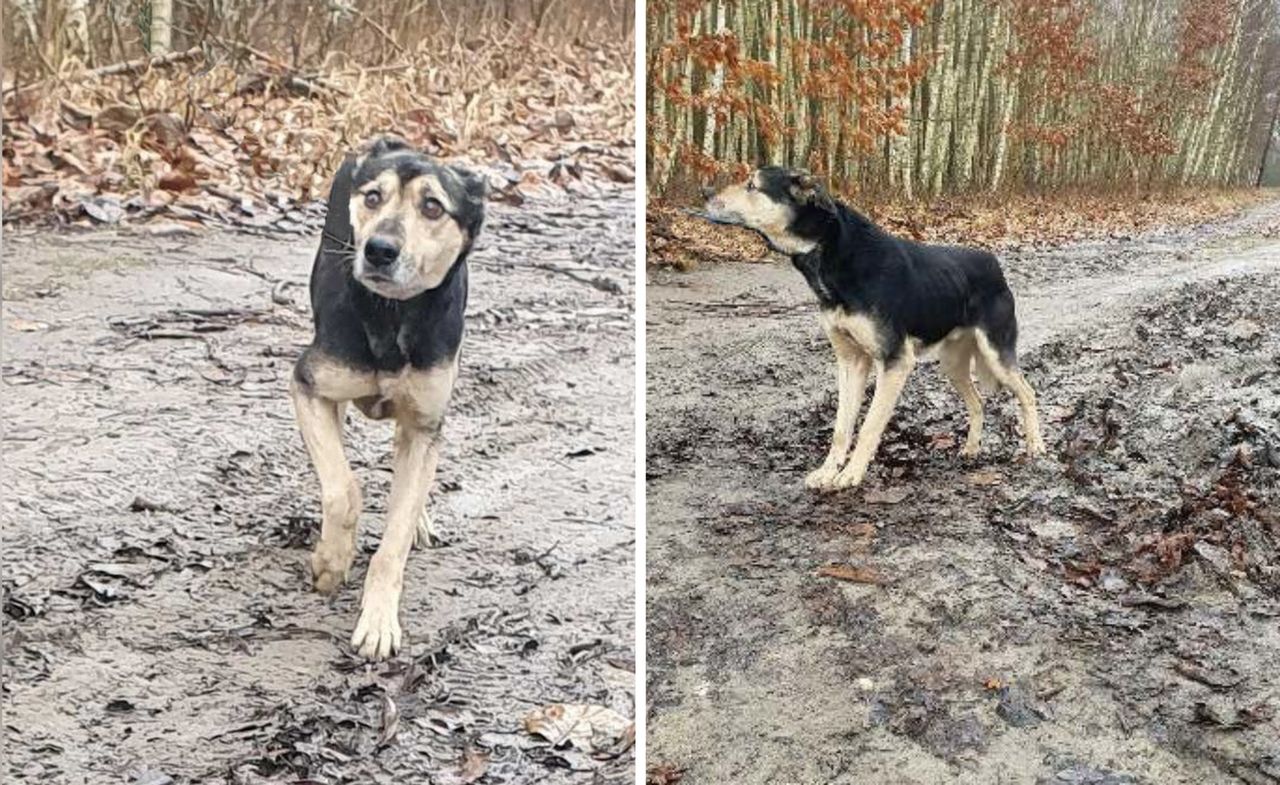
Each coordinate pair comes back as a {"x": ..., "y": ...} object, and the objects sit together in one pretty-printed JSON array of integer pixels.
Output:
[
  {"x": 1108, "y": 615},
  {"x": 158, "y": 508}
]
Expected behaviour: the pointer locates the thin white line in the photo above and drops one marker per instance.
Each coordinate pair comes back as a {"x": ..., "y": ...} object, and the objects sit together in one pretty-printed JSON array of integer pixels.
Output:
[{"x": 642, "y": 702}]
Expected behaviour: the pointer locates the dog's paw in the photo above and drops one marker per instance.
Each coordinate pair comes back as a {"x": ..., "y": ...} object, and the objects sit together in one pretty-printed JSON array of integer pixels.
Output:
[
  {"x": 846, "y": 479},
  {"x": 377, "y": 634},
  {"x": 330, "y": 565},
  {"x": 970, "y": 451},
  {"x": 822, "y": 477}
]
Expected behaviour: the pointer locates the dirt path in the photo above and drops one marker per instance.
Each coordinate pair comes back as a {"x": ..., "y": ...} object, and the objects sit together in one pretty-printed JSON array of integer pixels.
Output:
[
  {"x": 158, "y": 508},
  {"x": 1108, "y": 615}
]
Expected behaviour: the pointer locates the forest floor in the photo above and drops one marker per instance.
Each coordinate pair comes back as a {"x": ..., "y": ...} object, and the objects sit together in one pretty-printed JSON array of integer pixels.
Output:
[
  {"x": 158, "y": 504},
  {"x": 1107, "y": 615}
]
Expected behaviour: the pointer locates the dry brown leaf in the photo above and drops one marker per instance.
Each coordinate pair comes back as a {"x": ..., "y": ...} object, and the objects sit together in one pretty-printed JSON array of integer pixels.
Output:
[
  {"x": 985, "y": 478},
  {"x": 266, "y": 139},
  {"x": 177, "y": 181},
  {"x": 474, "y": 765},
  {"x": 664, "y": 774},
  {"x": 851, "y": 573},
  {"x": 590, "y": 728}
]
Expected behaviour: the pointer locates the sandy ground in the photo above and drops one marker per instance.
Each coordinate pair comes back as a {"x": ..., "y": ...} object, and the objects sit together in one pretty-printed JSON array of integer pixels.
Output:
[
  {"x": 1108, "y": 615},
  {"x": 158, "y": 508}
]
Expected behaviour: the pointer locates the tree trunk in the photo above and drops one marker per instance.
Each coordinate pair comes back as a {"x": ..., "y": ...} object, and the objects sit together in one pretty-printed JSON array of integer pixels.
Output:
[{"x": 161, "y": 27}]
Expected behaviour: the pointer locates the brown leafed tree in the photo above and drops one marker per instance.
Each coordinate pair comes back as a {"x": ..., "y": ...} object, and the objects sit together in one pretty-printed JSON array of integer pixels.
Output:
[{"x": 928, "y": 97}]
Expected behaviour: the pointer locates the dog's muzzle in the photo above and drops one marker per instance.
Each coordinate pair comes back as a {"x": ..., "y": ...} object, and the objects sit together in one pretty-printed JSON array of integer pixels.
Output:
[
  {"x": 380, "y": 254},
  {"x": 716, "y": 212}
]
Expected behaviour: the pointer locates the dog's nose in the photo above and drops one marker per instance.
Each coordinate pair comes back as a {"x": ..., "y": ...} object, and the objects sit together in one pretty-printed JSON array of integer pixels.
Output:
[
  {"x": 708, "y": 192},
  {"x": 380, "y": 253}
]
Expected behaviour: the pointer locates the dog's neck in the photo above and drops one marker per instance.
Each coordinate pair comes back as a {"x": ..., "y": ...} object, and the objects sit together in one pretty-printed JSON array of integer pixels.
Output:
[
  {"x": 418, "y": 331},
  {"x": 859, "y": 241}
]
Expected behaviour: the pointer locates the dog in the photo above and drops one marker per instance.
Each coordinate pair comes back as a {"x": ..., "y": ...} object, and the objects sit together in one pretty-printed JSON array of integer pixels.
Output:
[
  {"x": 885, "y": 303},
  {"x": 388, "y": 298}
]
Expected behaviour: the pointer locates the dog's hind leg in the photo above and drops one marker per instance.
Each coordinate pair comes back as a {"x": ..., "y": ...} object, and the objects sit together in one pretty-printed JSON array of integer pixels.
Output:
[
  {"x": 426, "y": 535},
  {"x": 320, "y": 421},
  {"x": 852, "y": 367},
  {"x": 956, "y": 361},
  {"x": 1008, "y": 375},
  {"x": 890, "y": 379}
]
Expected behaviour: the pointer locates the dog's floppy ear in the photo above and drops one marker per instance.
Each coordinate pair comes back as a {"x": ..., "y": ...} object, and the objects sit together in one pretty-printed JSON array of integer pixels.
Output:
[
  {"x": 474, "y": 190},
  {"x": 807, "y": 189},
  {"x": 381, "y": 145}
]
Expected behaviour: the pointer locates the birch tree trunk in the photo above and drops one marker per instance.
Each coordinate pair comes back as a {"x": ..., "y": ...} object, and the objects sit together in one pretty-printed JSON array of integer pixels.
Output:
[{"x": 161, "y": 27}]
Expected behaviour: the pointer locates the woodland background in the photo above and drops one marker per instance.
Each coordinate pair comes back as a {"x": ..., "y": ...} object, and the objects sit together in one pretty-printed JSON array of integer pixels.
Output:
[
  {"x": 917, "y": 99},
  {"x": 238, "y": 111}
]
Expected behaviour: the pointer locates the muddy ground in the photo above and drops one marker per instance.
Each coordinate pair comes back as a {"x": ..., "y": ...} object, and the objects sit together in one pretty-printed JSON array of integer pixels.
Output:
[
  {"x": 159, "y": 506},
  {"x": 1108, "y": 615}
]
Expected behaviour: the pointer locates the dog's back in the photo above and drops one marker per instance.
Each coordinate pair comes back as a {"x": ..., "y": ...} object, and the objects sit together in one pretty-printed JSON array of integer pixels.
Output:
[{"x": 917, "y": 290}]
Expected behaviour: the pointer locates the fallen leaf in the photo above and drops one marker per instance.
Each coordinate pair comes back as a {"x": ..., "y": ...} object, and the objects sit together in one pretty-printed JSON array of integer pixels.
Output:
[
  {"x": 664, "y": 774},
  {"x": 985, "y": 478},
  {"x": 27, "y": 325},
  {"x": 474, "y": 764},
  {"x": 590, "y": 728},
  {"x": 1218, "y": 678},
  {"x": 942, "y": 441},
  {"x": 103, "y": 209},
  {"x": 390, "y": 722},
  {"x": 849, "y": 572},
  {"x": 177, "y": 181}
]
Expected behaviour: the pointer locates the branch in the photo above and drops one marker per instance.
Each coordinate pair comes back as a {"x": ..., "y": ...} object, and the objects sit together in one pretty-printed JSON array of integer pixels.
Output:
[{"x": 127, "y": 67}]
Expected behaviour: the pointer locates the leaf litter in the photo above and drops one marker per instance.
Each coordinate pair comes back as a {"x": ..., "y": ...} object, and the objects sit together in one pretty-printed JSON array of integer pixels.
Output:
[{"x": 201, "y": 142}]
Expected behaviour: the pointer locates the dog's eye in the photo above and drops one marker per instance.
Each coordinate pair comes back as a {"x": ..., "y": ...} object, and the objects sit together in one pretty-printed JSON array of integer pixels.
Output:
[
  {"x": 751, "y": 185},
  {"x": 432, "y": 208},
  {"x": 372, "y": 199}
]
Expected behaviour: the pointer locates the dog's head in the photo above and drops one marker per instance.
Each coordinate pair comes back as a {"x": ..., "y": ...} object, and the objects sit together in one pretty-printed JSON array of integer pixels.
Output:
[
  {"x": 787, "y": 206},
  {"x": 412, "y": 218}
]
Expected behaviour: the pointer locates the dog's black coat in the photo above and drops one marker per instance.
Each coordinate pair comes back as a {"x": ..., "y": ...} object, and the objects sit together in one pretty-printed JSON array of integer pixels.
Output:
[
  {"x": 910, "y": 289},
  {"x": 362, "y": 329}
]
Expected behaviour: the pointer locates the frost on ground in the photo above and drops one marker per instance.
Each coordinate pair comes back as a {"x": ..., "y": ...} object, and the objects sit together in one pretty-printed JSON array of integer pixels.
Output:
[
  {"x": 159, "y": 506},
  {"x": 1108, "y": 615}
]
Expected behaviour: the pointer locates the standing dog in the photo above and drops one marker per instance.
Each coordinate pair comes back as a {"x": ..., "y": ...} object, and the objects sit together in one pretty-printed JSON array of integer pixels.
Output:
[
  {"x": 885, "y": 302},
  {"x": 388, "y": 294}
]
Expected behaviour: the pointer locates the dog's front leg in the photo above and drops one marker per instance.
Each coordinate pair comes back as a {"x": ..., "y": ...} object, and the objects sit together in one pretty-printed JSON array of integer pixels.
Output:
[
  {"x": 320, "y": 420},
  {"x": 377, "y": 633},
  {"x": 852, "y": 367},
  {"x": 891, "y": 379}
]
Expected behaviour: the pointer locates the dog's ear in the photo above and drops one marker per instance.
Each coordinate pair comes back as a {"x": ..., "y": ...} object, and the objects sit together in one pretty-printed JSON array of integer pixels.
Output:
[
  {"x": 807, "y": 189},
  {"x": 474, "y": 189},
  {"x": 381, "y": 145}
]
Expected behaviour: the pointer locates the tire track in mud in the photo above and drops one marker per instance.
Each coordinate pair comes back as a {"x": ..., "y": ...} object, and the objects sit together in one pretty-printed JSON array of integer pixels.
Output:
[
  {"x": 1105, "y": 616},
  {"x": 159, "y": 506}
]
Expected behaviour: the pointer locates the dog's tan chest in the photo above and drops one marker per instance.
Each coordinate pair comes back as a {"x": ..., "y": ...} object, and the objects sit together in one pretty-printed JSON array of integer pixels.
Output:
[
  {"x": 859, "y": 329},
  {"x": 416, "y": 393}
]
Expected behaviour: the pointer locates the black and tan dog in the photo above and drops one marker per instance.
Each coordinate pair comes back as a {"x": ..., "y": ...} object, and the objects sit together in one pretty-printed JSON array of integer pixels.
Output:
[
  {"x": 885, "y": 302},
  {"x": 388, "y": 292}
]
